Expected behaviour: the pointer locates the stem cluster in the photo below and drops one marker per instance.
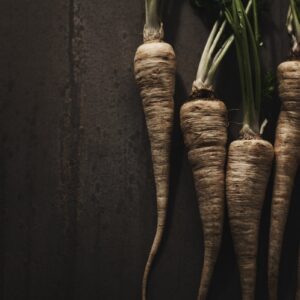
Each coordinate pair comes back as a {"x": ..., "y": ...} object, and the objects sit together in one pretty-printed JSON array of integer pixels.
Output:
[
  {"x": 293, "y": 26},
  {"x": 247, "y": 49},
  {"x": 247, "y": 40},
  {"x": 211, "y": 56},
  {"x": 214, "y": 53}
]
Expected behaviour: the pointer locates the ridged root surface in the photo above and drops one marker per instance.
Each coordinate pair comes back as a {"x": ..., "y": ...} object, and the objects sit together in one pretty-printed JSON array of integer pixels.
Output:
[
  {"x": 204, "y": 126},
  {"x": 248, "y": 171},
  {"x": 287, "y": 154},
  {"x": 154, "y": 66}
]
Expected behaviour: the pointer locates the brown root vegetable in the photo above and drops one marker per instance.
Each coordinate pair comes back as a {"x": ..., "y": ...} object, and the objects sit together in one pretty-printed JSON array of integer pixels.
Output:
[
  {"x": 248, "y": 169},
  {"x": 154, "y": 66},
  {"x": 204, "y": 126},
  {"x": 287, "y": 154}
]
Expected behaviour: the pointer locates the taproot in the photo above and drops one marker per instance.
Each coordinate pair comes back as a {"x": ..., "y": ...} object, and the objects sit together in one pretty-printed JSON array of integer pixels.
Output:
[
  {"x": 287, "y": 157},
  {"x": 248, "y": 170},
  {"x": 204, "y": 126},
  {"x": 154, "y": 67}
]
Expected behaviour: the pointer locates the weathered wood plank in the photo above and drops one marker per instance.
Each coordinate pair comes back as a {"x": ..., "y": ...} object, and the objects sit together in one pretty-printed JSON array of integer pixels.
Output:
[
  {"x": 34, "y": 89},
  {"x": 77, "y": 210}
]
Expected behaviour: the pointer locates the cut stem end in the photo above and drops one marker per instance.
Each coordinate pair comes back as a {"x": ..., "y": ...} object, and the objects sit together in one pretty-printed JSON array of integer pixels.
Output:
[{"x": 152, "y": 34}]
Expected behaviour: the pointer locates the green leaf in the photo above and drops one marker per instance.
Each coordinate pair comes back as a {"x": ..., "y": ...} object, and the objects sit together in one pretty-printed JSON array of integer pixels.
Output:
[{"x": 297, "y": 2}]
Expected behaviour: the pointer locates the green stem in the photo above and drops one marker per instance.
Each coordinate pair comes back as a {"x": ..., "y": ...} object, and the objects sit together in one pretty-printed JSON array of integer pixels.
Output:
[
  {"x": 295, "y": 18},
  {"x": 289, "y": 21},
  {"x": 210, "y": 61},
  {"x": 204, "y": 58},
  {"x": 250, "y": 102},
  {"x": 256, "y": 67},
  {"x": 211, "y": 51},
  {"x": 239, "y": 52},
  {"x": 255, "y": 22},
  {"x": 249, "y": 64},
  {"x": 152, "y": 14},
  {"x": 217, "y": 61},
  {"x": 231, "y": 19}
]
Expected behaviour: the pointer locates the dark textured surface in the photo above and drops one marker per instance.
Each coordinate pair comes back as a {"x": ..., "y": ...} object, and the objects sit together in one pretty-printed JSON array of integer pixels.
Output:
[{"x": 77, "y": 209}]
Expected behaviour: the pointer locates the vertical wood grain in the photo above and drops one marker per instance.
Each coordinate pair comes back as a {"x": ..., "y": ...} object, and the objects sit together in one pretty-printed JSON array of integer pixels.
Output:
[{"x": 77, "y": 198}]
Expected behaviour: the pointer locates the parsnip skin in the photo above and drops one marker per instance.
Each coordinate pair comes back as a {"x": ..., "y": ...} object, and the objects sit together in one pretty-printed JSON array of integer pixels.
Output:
[
  {"x": 204, "y": 126},
  {"x": 154, "y": 66},
  {"x": 287, "y": 154},
  {"x": 248, "y": 170}
]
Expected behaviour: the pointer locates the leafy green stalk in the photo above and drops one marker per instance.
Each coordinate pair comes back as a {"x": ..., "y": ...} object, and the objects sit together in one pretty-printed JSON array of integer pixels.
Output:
[
  {"x": 213, "y": 55},
  {"x": 256, "y": 66},
  {"x": 255, "y": 22},
  {"x": 214, "y": 52},
  {"x": 293, "y": 26},
  {"x": 249, "y": 118},
  {"x": 204, "y": 58},
  {"x": 294, "y": 10},
  {"x": 212, "y": 49},
  {"x": 217, "y": 61},
  {"x": 249, "y": 64}
]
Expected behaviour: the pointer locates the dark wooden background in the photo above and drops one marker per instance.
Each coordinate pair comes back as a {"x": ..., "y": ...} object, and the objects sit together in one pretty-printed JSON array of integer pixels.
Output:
[{"x": 77, "y": 210}]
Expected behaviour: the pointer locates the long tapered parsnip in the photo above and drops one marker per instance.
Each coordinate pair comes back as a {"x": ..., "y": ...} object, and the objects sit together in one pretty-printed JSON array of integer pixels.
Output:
[
  {"x": 248, "y": 170},
  {"x": 287, "y": 154},
  {"x": 204, "y": 126},
  {"x": 287, "y": 146},
  {"x": 250, "y": 158},
  {"x": 154, "y": 67}
]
